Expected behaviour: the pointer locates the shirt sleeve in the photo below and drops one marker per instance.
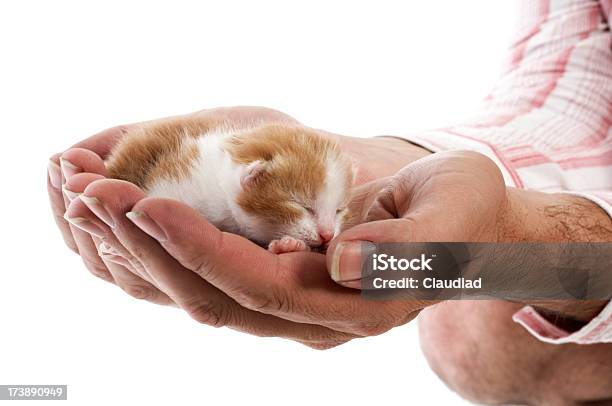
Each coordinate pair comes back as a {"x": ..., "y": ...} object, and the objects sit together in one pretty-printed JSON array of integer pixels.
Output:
[
  {"x": 606, "y": 8},
  {"x": 547, "y": 122},
  {"x": 599, "y": 329}
]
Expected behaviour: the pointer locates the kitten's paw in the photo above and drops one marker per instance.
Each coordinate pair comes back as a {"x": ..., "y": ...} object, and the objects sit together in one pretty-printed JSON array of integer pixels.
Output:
[{"x": 287, "y": 244}]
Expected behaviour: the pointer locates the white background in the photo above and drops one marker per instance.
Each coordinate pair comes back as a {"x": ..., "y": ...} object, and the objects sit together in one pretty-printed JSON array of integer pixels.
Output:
[{"x": 69, "y": 69}]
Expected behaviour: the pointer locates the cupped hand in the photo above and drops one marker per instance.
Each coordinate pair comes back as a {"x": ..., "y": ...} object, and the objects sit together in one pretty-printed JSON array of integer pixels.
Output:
[
  {"x": 70, "y": 172},
  {"x": 223, "y": 279},
  {"x": 293, "y": 297},
  {"x": 446, "y": 197}
]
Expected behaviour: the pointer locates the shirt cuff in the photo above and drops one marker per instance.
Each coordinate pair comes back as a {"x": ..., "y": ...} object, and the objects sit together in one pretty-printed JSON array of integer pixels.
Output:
[
  {"x": 598, "y": 330},
  {"x": 459, "y": 138}
]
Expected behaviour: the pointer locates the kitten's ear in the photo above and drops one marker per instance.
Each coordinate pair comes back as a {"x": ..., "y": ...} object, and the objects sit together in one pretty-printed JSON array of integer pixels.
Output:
[{"x": 251, "y": 173}]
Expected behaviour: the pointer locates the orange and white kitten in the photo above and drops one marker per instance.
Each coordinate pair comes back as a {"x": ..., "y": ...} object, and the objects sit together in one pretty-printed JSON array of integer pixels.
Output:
[{"x": 281, "y": 185}]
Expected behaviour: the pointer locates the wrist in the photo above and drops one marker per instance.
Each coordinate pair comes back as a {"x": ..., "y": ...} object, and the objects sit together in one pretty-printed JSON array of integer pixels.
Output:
[{"x": 546, "y": 217}]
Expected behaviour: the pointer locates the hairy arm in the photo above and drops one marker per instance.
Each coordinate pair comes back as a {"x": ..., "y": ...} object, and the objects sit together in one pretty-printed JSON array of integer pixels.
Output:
[{"x": 544, "y": 217}]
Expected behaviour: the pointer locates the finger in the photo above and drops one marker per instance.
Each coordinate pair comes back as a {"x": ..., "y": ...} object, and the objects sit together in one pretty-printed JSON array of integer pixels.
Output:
[
  {"x": 72, "y": 188},
  {"x": 89, "y": 255},
  {"x": 101, "y": 145},
  {"x": 78, "y": 241},
  {"x": 82, "y": 232},
  {"x": 54, "y": 191},
  {"x": 126, "y": 278},
  {"x": 96, "y": 232},
  {"x": 76, "y": 184},
  {"x": 363, "y": 197},
  {"x": 387, "y": 216},
  {"x": 293, "y": 286},
  {"x": 92, "y": 217},
  {"x": 348, "y": 252},
  {"x": 73, "y": 162},
  {"x": 201, "y": 300},
  {"x": 76, "y": 160},
  {"x": 81, "y": 215}
]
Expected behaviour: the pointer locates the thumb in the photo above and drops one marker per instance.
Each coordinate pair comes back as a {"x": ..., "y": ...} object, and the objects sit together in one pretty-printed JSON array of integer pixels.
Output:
[
  {"x": 348, "y": 252},
  {"x": 228, "y": 261}
]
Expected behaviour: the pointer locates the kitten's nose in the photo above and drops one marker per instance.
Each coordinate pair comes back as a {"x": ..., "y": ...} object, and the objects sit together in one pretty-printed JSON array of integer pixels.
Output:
[{"x": 326, "y": 236}]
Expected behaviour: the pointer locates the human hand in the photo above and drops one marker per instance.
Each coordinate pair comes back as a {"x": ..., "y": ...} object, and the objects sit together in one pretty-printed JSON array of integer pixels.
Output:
[
  {"x": 83, "y": 164},
  {"x": 70, "y": 172},
  {"x": 223, "y": 279},
  {"x": 449, "y": 196},
  {"x": 461, "y": 197}
]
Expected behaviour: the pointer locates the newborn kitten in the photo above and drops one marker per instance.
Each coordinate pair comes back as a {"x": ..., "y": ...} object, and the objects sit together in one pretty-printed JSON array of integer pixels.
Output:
[{"x": 281, "y": 185}]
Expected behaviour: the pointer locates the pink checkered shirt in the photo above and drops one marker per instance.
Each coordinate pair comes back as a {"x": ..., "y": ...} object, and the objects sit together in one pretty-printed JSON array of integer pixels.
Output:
[{"x": 547, "y": 123}]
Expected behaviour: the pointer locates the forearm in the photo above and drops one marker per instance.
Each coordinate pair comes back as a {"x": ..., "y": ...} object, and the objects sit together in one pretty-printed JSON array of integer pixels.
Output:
[
  {"x": 553, "y": 217},
  {"x": 541, "y": 217}
]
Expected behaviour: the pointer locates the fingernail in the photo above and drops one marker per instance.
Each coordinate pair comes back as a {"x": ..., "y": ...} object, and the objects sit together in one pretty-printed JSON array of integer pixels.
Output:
[
  {"x": 146, "y": 224},
  {"x": 68, "y": 168},
  {"x": 55, "y": 174},
  {"x": 69, "y": 193},
  {"x": 348, "y": 260},
  {"x": 85, "y": 225},
  {"x": 98, "y": 208}
]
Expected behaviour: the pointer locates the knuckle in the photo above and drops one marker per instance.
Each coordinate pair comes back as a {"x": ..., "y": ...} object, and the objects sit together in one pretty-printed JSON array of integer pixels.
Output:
[
  {"x": 273, "y": 302},
  {"x": 372, "y": 328},
  {"x": 206, "y": 312},
  {"x": 398, "y": 188},
  {"x": 98, "y": 270},
  {"x": 202, "y": 265},
  {"x": 138, "y": 291}
]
